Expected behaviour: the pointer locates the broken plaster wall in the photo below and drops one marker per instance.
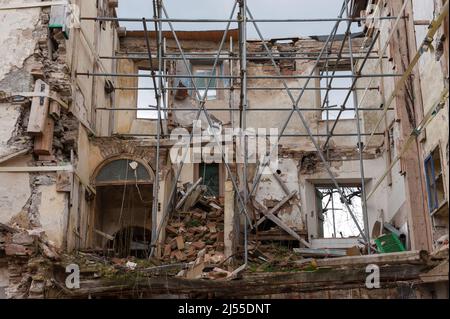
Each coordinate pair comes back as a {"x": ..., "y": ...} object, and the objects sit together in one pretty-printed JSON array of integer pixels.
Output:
[
  {"x": 18, "y": 43},
  {"x": 31, "y": 50},
  {"x": 389, "y": 198},
  {"x": 433, "y": 71},
  {"x": 432, "y": 77},
  {"x": 28, "y": 200}
]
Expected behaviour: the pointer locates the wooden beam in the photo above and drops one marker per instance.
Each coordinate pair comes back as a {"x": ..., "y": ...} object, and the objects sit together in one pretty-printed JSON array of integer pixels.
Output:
[
  {"x": 104, "y": 235},
  {"x": 32, "y": 5},
  {"x": 320, "y": 252},
  {"x": 277, "y": 207},
  {"x": 409, "y": 114},
  {"x": 437, "y": 274},
  {"x": 39, "y": 109},
  {"x": 250, "y": 285},
  {"x": 414, "y": 257},
  {"x": 189, "y": 192},
  {"x": 281, "y": 224},
  {"x": 55, "y": 110},
  {"x": 14, "y": 155},
  {"x": 36, "y": 169},
  {"x": 43, "y": 144}
]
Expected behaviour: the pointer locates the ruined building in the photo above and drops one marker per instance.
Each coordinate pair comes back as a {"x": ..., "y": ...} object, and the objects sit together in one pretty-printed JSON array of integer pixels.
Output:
[{"x": 115, "y": 156}]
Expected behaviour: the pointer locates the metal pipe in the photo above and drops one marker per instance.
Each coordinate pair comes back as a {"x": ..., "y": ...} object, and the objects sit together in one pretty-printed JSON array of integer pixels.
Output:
[
  {"x": 360, "y": 147},
  {"x": 178, "y": 76},
  {"x": 329, "y": 83},
  {"x": 284, "y": 135},
  {"x": 233, "y": 109},
  {"x": 385, "y": 47},
  {"x": 243, "y": 107},
  {"x": 207, "y": 58},
  {"x": 155, "y": 201},
  {"x": 232, "y": 20},
  {"x": 356, "y": 77},
  {"x": 232, "y": 88},
  {"x": 250, "y": 54}
]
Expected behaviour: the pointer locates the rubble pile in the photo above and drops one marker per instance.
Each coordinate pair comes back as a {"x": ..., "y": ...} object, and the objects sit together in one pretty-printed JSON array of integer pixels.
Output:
[
  {"x": 30, "y": 256},
  {"x": 189, "y": 233}
]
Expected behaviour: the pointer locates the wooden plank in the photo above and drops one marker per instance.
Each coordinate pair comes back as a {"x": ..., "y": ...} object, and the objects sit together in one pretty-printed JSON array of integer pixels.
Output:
[
  {"x": 281, "y": 224},
  {"x": 39, "y": 109},
  {"x": 437, "y": 274},
  {"x": 278, "y": 222},
  {"x": 248, "y": 286},
  {"x": 419, "y": 257},
  {"x": 43, "y": 144},
  {"x": 277, "y": 207},
  {"x": 55, "y": 110},
  {"x": 14, "y": 155},
  {"x": 335, "y": 243},
  {"x": 405, "y": 61},
  {"x": 36, "y": 169},
  {"x": 104, "y": 235},
  {"x": 320, "y": 252},
  {"x": 274, "y": 234},
  {"x": 188, "y": 193}
]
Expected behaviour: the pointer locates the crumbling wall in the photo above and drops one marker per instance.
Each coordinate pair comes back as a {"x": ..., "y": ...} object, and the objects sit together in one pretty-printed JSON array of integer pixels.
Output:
[
  {"x": 269, "y": 193},
  {"x": 19, "y": 40}
]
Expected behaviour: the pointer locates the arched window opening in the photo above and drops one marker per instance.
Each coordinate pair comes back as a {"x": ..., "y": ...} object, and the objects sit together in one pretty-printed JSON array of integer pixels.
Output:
[{"x": 123, "y": 208}]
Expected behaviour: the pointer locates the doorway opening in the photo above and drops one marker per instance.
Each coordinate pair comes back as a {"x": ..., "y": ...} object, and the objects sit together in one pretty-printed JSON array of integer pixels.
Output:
[
  {"x": 334, "y": 219},
  {"x": 123, "y": 208}
]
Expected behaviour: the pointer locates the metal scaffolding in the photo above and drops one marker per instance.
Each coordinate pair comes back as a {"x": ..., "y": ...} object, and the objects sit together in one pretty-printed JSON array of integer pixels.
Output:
[{"x": 326, "y": 63}]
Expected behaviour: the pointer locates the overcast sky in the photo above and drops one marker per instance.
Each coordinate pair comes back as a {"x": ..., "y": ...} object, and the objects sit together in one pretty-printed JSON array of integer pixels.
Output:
[{"x": 261, "y": 9}]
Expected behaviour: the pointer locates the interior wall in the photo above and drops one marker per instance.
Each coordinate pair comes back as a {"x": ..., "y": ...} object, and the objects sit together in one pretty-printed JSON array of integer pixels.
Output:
[{"x": 120, "y": 206}]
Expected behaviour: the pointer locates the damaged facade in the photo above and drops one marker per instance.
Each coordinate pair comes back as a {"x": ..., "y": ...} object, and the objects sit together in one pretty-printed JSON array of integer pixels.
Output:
[{"x": 88, "y": 176}]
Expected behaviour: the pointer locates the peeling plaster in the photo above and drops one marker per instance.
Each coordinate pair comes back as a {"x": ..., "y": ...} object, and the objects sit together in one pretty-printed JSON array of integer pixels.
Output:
[{"x": 16, "y": 38}]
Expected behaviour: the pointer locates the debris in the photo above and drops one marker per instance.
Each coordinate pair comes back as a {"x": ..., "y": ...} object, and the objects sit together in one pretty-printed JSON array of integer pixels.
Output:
[
  {"x": 22, "y": 238},
  {"x": 48, "y": 251},
  {"x": 18, "y": 250},
  {"x": 320, "y": 252},
  {"x": 180, "y": 242},
  {"x": 107, "y": 236},
  {"x": 353, "y": 251},
  {"x": 131, "y": 265},
  {"x": 199, "y": 245},
  {"x": 180, "y": 255},
  {"x": 191, "y": 196},
  {"x": 412, "y": 257},
  {"x": 195, "y": 272},
  {"x": 218, "y": 273}
]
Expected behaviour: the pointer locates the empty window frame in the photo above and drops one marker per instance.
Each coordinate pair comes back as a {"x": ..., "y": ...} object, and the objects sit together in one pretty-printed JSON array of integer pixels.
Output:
[
  {"x": 203, "y": 81},
  {"x": 435, "y": 180},
  {"x": 146, "y": 98},
  {"x": 334, "y": 100},
  {"x": 334, "y": 219},
  {"x": 213, "y": 177}
]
